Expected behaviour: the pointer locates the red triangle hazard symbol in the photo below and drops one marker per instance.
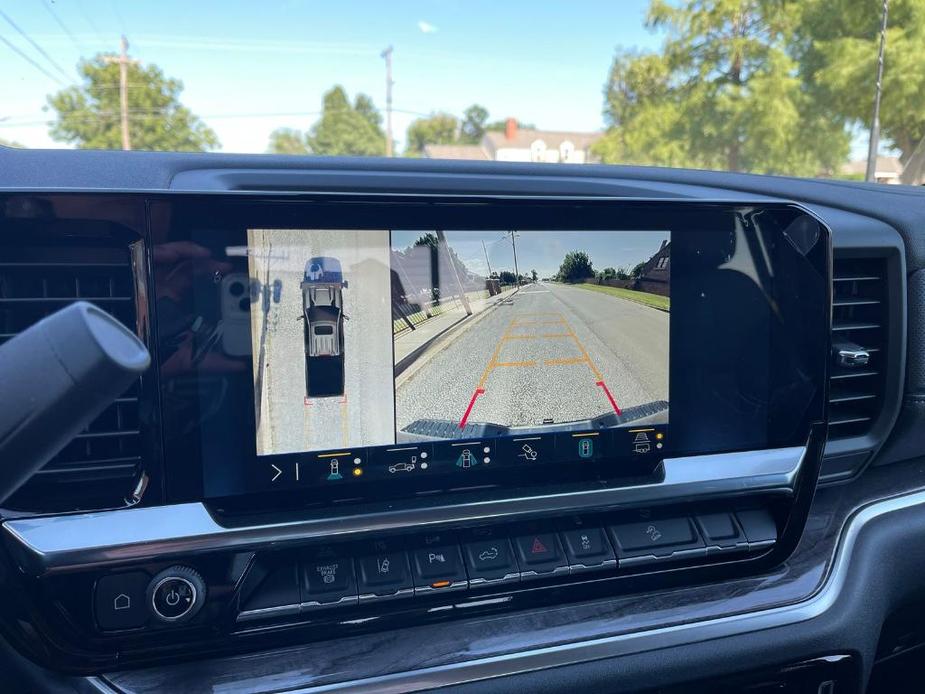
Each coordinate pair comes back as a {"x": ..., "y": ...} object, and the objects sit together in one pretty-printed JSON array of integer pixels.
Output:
[{"x": 538, "y": 547}]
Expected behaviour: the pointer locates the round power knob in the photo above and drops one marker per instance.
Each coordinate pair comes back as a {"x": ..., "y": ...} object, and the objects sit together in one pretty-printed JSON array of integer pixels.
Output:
[{"x": 176, "y": 594}]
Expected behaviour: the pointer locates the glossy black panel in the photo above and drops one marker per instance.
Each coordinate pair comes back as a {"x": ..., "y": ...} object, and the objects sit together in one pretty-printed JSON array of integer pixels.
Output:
[{"x": 748, "y": 332}]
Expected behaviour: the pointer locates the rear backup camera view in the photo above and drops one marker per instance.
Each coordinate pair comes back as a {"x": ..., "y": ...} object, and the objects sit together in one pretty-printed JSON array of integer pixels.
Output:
[
  {"x": 365, "y": 338},
  {"x": 543, "y": 329}
]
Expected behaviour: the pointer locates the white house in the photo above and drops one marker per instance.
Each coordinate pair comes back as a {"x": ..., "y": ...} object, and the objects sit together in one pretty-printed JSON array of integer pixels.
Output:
[{"x": 521, "y": 144}]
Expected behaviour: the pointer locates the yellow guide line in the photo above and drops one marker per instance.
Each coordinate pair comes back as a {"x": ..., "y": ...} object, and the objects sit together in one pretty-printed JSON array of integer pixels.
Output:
[
  {"x": 515, "y": 363},
  {"x": 565, "y": 361}
]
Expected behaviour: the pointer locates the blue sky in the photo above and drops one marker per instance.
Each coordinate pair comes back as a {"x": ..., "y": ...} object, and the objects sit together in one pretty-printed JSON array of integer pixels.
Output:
[
  {"x": 251, "y": 67},
  {"x": 544, "y": 250}
]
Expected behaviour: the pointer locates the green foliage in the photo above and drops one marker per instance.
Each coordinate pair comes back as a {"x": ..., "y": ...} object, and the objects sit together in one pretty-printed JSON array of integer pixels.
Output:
[
  {"x": 534, "y": 275},
  {"x": 724, "y": 92},
  {"x": 473, "y": 124},
  {"x": 575, "y": 267},
  {"x": 507, "y": 277},
  {"x": 501, "y": 125},
  {"x": 608, "y": 273},
  {"x": 838, "y": 56},
  {"x": 438, "y": 129},
  {"x": 637, "y": 270},
  {"x": 288, "y": 141},
  {"x": 88, "y": 115},
  {"x": 446, "y": 129},
  {"x": 10, "y": 143},
  {"x": 654, "y": 300},
  {"x": 347, "y": 130},
  {"x": 342, "y": 129}
]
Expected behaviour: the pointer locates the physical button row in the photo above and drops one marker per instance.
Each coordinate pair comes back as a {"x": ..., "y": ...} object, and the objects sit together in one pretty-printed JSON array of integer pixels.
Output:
[{"x": 434, "y": 563}]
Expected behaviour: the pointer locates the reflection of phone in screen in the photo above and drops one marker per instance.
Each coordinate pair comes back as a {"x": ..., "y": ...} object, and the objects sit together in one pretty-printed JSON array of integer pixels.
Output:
[{"x": 236, "y": 305}]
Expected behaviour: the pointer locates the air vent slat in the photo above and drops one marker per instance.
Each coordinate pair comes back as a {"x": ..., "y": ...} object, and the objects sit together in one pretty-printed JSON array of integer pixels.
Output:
[
  {"x": 97, "y": 468},
  {"x": 856, "y": 302},
  {"x": 842, "y": 327},
  {"x": 859, "y": 314}
]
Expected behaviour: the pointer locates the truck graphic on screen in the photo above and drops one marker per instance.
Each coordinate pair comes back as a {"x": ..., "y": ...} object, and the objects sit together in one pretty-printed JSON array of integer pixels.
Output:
[{"x": 323, "y": 311}]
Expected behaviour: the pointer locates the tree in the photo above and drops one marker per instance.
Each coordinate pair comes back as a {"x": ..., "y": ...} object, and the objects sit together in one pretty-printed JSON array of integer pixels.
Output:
[
  {"x": 288, "y": 141},
  {"x": 346, "y": 130},
  {"x": 534, "y": 275},
  {"x": 840, "y": 39},
  {"x": 622, "y": 274},
  {"x": 438, "y": 129},
  {"x": 724, "y": 92},
  {"x": 608, "y": 273},
  {"x": 88, "y": 115},
  {"x": 576, "y": 267},
  {"x": 473, "y": 125},
  {"x": 365, "y": 107},
  {"x": 636, "y": 272},
  {"x": 501, "y": 125}
]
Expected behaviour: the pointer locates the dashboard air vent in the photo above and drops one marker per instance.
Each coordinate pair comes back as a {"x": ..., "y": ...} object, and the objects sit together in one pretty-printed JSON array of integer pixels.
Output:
[
  {"x": 859, "y": 340},
  {"x": 97, "y": 467}
]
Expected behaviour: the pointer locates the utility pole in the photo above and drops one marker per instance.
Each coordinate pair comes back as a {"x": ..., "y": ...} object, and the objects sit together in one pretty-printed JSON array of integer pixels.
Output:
[
  {"x": 514, "y": 246},
  {"x": 487, "y": 261},
  {"x": 387, "y": 55},
  {"x": 124, "y": 62},
  {"x": 874, "y": 143}
]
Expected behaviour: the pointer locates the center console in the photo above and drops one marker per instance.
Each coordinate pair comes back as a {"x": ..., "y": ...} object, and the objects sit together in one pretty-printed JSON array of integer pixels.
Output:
[{"x": 381, "y": 410}]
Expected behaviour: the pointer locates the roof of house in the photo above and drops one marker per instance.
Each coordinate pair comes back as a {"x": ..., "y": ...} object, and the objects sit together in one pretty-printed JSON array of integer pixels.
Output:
[
  {"x": 523, "y": 138},
  {"x": 885, "y": 165},
  {"x": 455, "y": 152}
]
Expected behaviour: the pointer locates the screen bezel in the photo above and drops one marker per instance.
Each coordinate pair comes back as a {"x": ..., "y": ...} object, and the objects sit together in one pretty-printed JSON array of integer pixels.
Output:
[{"x": 229, "y": 216}]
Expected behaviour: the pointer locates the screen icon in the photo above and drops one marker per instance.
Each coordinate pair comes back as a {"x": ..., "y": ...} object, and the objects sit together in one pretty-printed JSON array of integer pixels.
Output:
[
  {"x": 335, "y": 470},
  {"x": 585, "y": 448}
]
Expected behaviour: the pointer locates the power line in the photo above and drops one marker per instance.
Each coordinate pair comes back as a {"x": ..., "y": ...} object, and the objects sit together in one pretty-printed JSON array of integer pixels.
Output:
[
  {"x": 89, "y": 21},
  {"x": 54, "y": 15},
  {"x": 31, "y": 61},
  {"x": 34, "y": 44}
]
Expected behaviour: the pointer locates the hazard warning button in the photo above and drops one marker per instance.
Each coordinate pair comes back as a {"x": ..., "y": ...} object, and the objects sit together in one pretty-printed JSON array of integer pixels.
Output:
[{"x": 540, "y": 555}]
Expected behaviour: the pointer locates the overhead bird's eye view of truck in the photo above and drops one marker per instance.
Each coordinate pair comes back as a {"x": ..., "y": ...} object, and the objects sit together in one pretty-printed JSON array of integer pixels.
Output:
[{"x": 323, "y": 311}]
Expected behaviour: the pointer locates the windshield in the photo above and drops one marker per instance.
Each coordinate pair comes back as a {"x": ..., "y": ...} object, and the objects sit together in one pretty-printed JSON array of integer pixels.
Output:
[{"x": 817, "y": 88}]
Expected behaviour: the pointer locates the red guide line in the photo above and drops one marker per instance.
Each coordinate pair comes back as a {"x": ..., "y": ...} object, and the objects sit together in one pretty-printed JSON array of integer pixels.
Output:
[
  {"x": 613, "y": 403},
  {"x": 478, "y": 392}
]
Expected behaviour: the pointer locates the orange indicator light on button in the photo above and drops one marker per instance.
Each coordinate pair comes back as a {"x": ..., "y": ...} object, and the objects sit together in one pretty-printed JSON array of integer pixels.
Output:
[{"x": 439, "y": 584}]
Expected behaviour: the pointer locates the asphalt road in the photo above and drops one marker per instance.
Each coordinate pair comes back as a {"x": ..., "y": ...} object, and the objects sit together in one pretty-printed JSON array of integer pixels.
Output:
[
  {"x": 544, "y": 355},
  {"x": 290, "y": 422}
]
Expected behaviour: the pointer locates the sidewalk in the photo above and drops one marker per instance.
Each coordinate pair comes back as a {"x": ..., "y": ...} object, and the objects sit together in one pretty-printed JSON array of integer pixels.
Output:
[{"x": 411, "y": 344}]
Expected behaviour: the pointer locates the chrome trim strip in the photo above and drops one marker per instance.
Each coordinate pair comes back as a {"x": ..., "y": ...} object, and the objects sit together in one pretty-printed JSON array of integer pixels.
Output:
[
  {"x": 71, "y": 542},
  {"x": 634, "y": 642}
]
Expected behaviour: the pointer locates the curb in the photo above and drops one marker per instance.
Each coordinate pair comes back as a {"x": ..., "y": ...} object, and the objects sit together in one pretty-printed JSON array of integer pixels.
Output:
[{"x": 412, "y": 358}]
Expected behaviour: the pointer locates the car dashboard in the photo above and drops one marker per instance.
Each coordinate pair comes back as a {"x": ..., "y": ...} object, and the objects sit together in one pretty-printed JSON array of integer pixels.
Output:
[{"x": 362, "y": 461}]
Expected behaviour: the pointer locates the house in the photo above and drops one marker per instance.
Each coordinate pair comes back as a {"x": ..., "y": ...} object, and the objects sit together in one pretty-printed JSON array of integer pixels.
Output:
[
  {"x": 658, "y": 267},
  {"x": 887, "y": 170},
  {"x": 522, "y": 144}
]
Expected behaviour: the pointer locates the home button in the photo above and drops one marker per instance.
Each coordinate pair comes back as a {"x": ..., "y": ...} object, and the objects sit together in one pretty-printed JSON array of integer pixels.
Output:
[{"x": 119, "y": 601}]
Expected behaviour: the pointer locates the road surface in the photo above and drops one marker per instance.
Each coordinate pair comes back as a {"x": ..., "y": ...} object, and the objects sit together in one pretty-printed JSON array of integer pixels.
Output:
[
  {"x": 289, "y": 421},
  {"x": 555, "y": 352}
]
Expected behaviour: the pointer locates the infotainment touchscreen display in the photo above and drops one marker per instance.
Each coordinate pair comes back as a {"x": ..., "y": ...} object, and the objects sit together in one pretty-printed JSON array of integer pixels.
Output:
[
  {"x": 433, "y": 345},
  {"x": 338, "y": 349}
]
